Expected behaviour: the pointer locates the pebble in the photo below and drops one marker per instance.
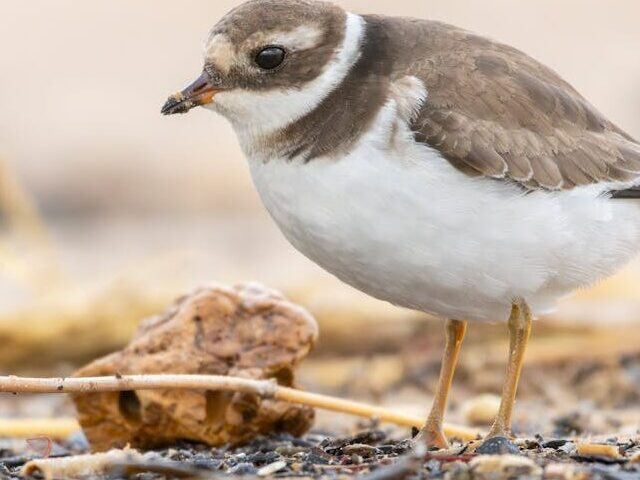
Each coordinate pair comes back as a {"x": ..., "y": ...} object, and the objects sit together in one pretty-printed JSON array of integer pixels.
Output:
[
  {"x": 361, "y": 449},
  {"x": 569, "y": 448},
  {"x": 272, "y": 468},
  {"x": 555, "y": 444},
  {"x": 497, "y": 446},
  {"x": 243, "y": 469}
]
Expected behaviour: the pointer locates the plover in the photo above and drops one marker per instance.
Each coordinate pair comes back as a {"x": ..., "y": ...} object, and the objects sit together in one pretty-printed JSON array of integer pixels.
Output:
[{"x": 425, "y": 165}]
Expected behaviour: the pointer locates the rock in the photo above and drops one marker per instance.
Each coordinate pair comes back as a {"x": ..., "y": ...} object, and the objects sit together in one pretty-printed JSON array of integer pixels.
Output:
[
  {"x": 360, "y": 449},
  {"x": 247, "y": 331},
  {"x": 497, "y": 446},
  {"x": 568, "y": 448},
  {"x": 242, "y": 469},
  {"x": 272, "y": 468},
  {"x": 555, "y": 444}
]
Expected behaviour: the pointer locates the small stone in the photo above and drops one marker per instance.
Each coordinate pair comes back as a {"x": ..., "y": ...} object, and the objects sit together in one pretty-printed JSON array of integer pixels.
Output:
[
  {"x": 555, "y": 444},
  {"x": 498, "y": 446},
  {"x": 569, "y": 448},
  {"x": 529, "y": 444},
  {"x": 263, "y": 458},
  {"x": 272, "y": 468},
  {"x": 287, "y": 451},
  {"x": 318, "y": 457},
  {"x": 207, "y": 463},
  {"x": 243, "y": 469},
  {"x": 360, "y": 449},
  {"x": 482, "y": 409}
]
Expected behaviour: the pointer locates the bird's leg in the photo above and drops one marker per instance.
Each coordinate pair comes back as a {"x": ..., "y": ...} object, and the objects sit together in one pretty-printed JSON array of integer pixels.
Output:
[
  {"x": 519, "y": 331},
  {"x": 432, "y": 433}
]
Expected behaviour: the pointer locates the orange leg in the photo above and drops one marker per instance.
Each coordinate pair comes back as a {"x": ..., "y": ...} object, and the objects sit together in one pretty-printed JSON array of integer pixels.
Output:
[
  {"x": 432, "y": 433},
  {"x": 519, "y": 332}
]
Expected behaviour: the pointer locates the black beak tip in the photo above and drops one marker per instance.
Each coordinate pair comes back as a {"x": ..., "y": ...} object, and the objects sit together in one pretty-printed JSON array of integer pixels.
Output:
[{"x": 175, "y": 105}]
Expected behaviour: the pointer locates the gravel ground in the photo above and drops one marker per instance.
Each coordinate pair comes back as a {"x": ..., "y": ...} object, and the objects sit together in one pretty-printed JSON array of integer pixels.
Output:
[{"x": 370, "y": 454}]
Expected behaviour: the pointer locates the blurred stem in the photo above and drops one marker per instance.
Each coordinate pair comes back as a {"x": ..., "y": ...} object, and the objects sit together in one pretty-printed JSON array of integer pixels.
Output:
[
  {"x": 56, "y": 428},
  {"x": 24, "y": 219},
  {"x": 263, "y": 388},
  {"x": 11, "y": 265}
]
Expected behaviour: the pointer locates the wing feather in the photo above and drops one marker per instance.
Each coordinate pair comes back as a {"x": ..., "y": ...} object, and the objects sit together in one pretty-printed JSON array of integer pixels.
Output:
[{"x": 493, "y": 111}]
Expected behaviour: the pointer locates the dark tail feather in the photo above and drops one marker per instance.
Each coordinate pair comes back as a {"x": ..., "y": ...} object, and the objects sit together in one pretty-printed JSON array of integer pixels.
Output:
[{"x": 633, "y": 192}]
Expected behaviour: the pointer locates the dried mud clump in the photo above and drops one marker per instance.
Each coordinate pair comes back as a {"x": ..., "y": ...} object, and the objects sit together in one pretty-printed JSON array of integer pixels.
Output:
[{"x": 245, "y": 331}]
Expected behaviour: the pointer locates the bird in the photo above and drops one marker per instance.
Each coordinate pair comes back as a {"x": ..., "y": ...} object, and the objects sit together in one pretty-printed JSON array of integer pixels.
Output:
[{"x": 425, "y": 165}]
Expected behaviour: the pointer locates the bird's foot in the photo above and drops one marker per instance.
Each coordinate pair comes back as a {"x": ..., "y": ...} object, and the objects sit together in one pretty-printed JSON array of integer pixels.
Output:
[
  {"x": 500, "y": 430},
  {"x": 432, "y": 438}
]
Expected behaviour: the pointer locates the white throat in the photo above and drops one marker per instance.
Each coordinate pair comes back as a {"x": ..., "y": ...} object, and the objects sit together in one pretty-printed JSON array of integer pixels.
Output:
[{"x": 259, "y": 114}]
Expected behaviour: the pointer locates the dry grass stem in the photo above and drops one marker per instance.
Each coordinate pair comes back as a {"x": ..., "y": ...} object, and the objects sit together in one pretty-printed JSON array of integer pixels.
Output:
[
  {"x": 24, "y": 219},
  {"x": 264, "y": 388},
  {"x": 598, "y": 450},
  {"x": 90, "y": 465},
  {"x": 19, "y": 208}
]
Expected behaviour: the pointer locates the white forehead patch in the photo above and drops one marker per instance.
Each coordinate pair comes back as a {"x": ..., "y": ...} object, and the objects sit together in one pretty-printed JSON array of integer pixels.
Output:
[
  {"x": 302, "y": 37},
  {"x": 219, "y": 50}
]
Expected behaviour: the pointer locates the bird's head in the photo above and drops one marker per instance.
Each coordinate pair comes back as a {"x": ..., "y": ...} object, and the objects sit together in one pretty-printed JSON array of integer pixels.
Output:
[{"x": 268, "y": 62}]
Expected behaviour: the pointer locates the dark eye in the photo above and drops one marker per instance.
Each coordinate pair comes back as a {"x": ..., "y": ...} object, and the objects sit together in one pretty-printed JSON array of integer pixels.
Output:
[{"x": 270, "y": 58}]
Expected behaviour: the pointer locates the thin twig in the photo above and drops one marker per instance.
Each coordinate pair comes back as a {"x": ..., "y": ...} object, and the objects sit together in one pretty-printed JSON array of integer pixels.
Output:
[{"x": 263, "y": 388}]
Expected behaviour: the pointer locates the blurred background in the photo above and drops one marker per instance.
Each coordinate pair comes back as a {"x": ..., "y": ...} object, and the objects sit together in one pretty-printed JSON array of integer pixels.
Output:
[{"x": 109, "y": 210}]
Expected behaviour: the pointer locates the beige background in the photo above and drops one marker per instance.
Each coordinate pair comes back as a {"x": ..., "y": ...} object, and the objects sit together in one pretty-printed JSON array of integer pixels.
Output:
[
  {"x": 82, "y": 82},
  {"x": 122, "y": 187}
]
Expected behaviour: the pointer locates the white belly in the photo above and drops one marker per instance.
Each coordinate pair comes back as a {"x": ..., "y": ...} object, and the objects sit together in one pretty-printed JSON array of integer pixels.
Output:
[{"x": 402, "y": 225}]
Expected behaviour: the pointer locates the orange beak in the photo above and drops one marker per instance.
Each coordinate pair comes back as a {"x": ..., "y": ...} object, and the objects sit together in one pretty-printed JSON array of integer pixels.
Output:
[{"x": 200, "y": 92}]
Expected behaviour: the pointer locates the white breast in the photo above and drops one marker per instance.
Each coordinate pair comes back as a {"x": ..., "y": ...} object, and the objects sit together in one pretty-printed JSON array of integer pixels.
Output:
[{"x": 396, "y": 221}]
